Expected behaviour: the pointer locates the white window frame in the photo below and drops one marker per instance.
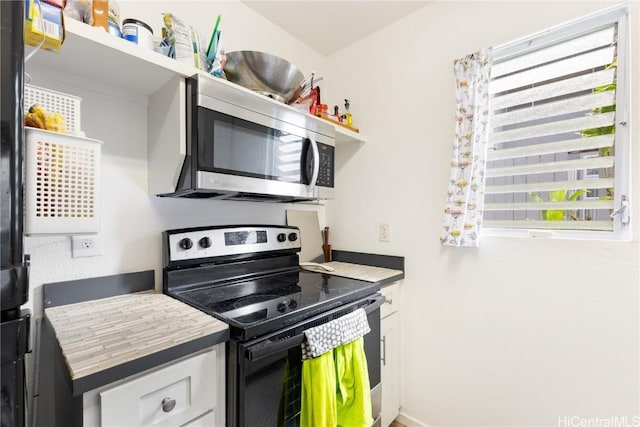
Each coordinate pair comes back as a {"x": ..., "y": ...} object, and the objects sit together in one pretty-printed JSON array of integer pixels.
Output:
[{"x": 622, "y": 179}]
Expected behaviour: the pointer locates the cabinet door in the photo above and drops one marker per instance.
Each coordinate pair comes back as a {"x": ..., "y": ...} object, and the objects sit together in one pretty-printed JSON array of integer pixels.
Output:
[
  {"x": 390, "y": 365},
  {"x": 208, "y": 420},
  {"x": 170, "y": 396},
  {"x": 392, "y": 303}
]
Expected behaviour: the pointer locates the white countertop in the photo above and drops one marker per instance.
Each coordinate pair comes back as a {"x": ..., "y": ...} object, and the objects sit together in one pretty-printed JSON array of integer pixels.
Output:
[{"x": 100, "y": 334}]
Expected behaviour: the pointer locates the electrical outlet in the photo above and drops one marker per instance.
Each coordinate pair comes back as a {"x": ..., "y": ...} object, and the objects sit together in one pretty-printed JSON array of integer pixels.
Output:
[
  {"x": 384, "y": 233},
  {"x": 85, "y": 246}
]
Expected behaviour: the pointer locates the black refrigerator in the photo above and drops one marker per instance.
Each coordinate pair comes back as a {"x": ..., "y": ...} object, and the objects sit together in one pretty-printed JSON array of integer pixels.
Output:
[{"x": 14, "y": 278}]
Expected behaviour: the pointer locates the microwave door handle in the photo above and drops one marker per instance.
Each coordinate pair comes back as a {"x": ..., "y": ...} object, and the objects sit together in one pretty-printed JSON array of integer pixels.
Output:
[{"x": 316, "y": 163}]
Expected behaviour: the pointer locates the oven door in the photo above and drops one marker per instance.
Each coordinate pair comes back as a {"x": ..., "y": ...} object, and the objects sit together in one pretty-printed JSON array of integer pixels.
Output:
[
  {"x": 239, "y": 150},
  {"x": 264, "y": 375}
]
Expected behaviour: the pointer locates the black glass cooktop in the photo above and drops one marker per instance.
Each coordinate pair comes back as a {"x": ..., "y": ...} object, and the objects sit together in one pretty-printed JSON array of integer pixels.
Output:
[{"x": 267, "y": 303}]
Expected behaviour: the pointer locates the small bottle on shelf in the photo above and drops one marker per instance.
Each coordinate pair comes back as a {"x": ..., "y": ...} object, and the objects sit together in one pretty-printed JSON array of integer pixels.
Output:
[
  {"x": 100, "y": 14},
  {"x": 347, "y": 115},
  {"x": 336, "y": 113}
]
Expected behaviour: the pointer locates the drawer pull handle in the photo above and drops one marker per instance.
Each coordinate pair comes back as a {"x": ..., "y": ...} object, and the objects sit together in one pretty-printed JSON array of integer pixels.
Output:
[
  {"x": 168, "y": 404},
  {"x": 384, "y": 351},
  {"x": 388, "y": 300}
]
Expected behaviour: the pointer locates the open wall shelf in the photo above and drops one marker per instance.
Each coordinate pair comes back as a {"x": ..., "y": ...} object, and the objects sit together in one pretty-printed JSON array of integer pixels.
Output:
[{"x": 92, "y": 54}]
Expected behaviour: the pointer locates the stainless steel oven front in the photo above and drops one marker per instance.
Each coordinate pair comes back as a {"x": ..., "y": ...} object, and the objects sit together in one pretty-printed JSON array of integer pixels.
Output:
[
  {"x": 250, "y": 147},
  {"x": 264, "y": 375},
  {"x": 249, "y": 277}
]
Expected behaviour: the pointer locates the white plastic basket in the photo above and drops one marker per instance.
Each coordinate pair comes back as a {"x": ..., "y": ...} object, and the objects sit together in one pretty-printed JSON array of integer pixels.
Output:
[
  {"x": 61, "y": 183},
  {"x": 55, "y": 102}
]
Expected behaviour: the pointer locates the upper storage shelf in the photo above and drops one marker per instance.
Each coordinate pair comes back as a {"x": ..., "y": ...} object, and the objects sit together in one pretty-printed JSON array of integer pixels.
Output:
[
  {"x": 348, "y": 136},
  {"x": 95, "y": 55}
]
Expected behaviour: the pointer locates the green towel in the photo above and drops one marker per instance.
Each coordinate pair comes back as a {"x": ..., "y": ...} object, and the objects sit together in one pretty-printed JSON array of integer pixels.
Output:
[
  {"x": 353, "y": 391},
  {"x": 318, "y": 407}
]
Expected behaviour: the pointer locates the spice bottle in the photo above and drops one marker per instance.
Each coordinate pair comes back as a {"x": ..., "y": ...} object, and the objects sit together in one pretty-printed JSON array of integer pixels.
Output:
[
  {"x": 347, "y": 115},
  {"x": 336, "y": 113},
  {"x": 100, "y": 14}
]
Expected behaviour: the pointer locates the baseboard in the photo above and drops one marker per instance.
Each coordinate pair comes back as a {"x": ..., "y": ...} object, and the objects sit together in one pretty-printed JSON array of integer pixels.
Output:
[{"x": 408, "y": 421}]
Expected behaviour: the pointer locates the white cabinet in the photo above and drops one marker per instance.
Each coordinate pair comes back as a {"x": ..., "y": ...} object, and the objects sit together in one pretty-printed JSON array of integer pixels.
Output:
[
  {"x": 390, "y": 353},
  {"x": 189, "y": 392}
]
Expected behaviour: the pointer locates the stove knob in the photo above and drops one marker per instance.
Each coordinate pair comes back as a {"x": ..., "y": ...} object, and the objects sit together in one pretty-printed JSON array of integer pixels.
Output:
[
  {"x": 282, "y": 237},
  {"x": 186, "y": 243},
  {"x": 293, "y": 237},
  {"x": 282, "y": 306},
  {"x": 293, "y": 304},
  {"x": 205, "y": 242}
]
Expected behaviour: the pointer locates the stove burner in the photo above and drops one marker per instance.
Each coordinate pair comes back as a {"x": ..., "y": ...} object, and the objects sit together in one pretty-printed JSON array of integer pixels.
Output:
[{"x": 253, "y": 299}]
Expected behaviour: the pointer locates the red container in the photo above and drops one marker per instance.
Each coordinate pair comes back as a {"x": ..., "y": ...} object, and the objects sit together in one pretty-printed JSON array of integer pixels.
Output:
[{"x": 59, "y": 3}]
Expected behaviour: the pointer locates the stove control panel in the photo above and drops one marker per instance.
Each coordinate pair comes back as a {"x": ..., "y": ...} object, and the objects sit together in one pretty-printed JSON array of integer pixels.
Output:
[{"x": 211, "y": 242}]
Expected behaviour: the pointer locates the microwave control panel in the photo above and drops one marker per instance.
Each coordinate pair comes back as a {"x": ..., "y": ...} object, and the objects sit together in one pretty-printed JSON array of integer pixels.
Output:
[{"x": 325, "y": 174}]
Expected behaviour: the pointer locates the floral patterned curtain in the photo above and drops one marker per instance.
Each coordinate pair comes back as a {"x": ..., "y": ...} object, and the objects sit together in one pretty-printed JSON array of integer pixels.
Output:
[{"x": 463, "y": 211}]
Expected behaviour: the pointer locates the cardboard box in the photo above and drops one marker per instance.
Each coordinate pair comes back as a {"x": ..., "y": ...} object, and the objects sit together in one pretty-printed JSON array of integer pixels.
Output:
[{"x": 43, "y": 23}]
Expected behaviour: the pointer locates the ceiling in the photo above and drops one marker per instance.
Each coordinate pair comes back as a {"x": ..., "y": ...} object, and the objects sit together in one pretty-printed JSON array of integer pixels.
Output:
[{"x": 328, "y": 25}]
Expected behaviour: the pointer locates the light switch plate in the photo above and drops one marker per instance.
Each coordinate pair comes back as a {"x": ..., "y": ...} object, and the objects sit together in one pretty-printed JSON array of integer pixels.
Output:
[{"x": 384, "y": 232}]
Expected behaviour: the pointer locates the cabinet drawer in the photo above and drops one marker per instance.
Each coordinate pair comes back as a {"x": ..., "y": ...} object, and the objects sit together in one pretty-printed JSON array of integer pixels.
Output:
[
  {"x": 207, "y": 420},
  {"x": 170, "y": 396},
  {"x": 392, "y": 303}
]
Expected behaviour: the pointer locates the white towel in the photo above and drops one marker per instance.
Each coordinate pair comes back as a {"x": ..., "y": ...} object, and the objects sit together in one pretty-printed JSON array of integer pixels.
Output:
[{"x": 330, "y": 335}]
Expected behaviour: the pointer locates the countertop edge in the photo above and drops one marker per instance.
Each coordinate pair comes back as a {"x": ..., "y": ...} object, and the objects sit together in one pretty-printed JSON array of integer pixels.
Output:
[
  {"x": 71, "y": 292},
  {"x": 139, "y": 366},
  {"x": 391, "y": 280},
  {"x": 392, "y": 262}
]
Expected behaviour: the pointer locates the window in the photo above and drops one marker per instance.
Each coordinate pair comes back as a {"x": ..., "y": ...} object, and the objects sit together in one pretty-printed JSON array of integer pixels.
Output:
[{"x": 559, "y": 140}]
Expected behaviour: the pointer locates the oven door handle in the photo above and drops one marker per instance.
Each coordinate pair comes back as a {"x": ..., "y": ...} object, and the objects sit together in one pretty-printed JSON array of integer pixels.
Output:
[
  {"x": 375, "y": 302},
  {"x": 273, "y": 347}
]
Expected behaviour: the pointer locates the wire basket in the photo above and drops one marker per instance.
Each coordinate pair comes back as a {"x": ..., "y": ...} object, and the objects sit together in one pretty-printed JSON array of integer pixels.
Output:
[
  {"x": 61, "y": 183},
  {"x": 55, "y": 102}
]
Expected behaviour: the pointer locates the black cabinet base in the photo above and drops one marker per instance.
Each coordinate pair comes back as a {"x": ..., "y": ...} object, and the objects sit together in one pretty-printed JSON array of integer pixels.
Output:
[{"x": 15, "y": 343}]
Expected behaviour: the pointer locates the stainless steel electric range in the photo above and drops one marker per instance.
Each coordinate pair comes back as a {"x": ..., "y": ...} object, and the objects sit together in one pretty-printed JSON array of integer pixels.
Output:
[{"x": 249, "y": 277}]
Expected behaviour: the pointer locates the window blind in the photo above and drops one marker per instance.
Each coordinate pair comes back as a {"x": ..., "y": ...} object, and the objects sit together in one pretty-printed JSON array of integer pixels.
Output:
[{"x": 551, "y": 158}]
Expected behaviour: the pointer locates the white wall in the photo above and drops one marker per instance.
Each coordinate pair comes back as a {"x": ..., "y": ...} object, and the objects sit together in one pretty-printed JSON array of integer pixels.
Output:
[
  {"x": 132, "y": 220},
  {"x": 518, "y": 332}
]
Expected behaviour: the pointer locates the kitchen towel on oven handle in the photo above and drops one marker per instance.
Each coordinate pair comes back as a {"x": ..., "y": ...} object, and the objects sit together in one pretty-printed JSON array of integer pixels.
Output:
[
  {"x": 335, "y": 388},
  {"x": 330, "y": 335},
  {"x": 353, "y": 398},
  {"x": 335, "y": 378}
]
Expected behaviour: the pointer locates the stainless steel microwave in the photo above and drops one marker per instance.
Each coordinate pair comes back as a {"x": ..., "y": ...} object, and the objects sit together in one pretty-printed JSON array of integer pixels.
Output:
[{"x": 231, "y": 143}]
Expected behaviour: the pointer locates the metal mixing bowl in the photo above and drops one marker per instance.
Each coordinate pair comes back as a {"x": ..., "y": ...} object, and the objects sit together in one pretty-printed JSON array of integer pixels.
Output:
[{"x": 263, "y": 73}]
